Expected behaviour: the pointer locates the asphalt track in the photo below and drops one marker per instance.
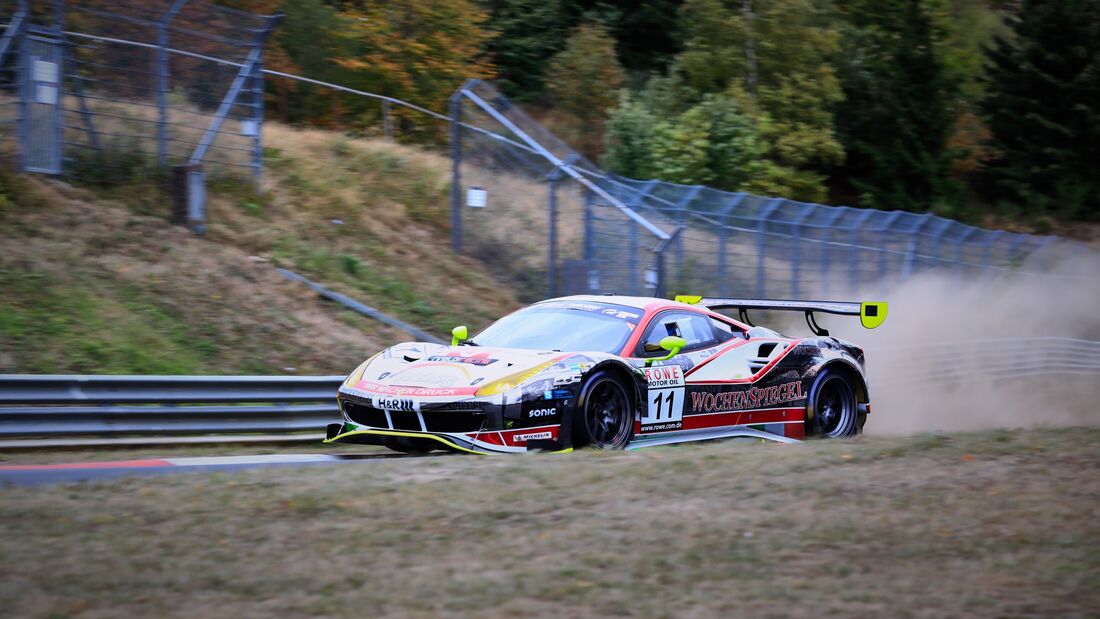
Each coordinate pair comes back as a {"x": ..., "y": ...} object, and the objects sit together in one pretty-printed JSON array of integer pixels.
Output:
[{"x": 47, "y": 474}]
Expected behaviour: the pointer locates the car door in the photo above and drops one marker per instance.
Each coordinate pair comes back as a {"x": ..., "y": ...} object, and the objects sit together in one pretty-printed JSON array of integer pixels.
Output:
[{"x": 704, "y": 337}]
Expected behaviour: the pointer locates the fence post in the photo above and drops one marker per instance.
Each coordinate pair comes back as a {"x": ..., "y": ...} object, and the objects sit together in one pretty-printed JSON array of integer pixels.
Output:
[
  {"x": 387, "y": 124},
  {"x": 681, "y": 206},
  {"x": 633, "y": 261},
  {"x": 258, "y": 123},
  {"x": 826, "y": 248},
  {"x": 853, "y": 250},
  {"x": 552, "y": 234},
  {"x": 723, "y": 231},
  {"x": 761, "y": 244},
  {"x": 796, "y": 250},
  {"x": 588, "y": 217},
  {"x": 456, "y": 171},
  {"x": 162, "y": 79},
  {"x": 910, "y": 254}
]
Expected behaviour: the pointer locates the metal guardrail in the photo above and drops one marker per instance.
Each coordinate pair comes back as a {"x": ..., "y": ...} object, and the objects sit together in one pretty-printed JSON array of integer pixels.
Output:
[
  {"x": 118, "y": 410},
  {"x": 113, "y": 406}
]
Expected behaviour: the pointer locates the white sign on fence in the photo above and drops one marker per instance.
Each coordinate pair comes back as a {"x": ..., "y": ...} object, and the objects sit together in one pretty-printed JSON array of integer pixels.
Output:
[{"x": 476, "y": 197}]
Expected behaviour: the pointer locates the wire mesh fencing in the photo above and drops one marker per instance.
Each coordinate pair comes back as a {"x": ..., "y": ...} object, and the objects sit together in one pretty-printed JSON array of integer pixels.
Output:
[{"x": 114, "y": 92}]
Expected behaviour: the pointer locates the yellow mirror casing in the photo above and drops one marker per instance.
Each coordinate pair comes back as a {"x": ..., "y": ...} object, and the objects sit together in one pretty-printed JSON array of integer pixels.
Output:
[
  {"x": 672, "y": 344},
  {"x": 459, "y": 334}
]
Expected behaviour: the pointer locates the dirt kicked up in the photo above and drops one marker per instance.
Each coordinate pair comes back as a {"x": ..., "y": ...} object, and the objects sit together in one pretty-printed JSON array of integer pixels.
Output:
[{"x": 997, "y": 523}]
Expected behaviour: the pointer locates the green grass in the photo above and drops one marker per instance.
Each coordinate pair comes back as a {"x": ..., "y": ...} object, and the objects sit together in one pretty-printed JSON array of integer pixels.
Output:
[
  {"x": 982, "y": 525},
  {"x": 94, "y": 329},
  {"x": 95, "y": 280}
]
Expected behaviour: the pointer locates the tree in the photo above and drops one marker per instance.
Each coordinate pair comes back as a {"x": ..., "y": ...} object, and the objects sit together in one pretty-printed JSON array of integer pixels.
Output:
[
  {"x": 712, "y": 143},
  {"x": 1043, "y": 107},
  {"x": 775, "y": 56},
  {"x": 584, "y": 79},
  {"x": 527, "y": 32},
  {"x": 897, "y": 113},
  {"x": 416, "y": 50}
]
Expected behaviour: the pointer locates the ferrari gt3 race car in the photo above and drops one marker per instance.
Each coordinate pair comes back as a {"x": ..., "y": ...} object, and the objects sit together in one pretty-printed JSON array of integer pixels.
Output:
[{"x": 612, "y": 372}]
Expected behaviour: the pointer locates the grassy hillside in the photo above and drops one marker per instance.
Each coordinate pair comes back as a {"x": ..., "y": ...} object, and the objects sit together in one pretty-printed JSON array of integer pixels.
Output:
[
  {"x": 95, "y": 280},
  {"x": 994, "y": 524}
]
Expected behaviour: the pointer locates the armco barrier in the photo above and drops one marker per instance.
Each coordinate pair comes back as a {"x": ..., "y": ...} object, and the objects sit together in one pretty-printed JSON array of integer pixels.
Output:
[
  {"x": 102, "y": 409},
  {"x": 109, "y": 406}
]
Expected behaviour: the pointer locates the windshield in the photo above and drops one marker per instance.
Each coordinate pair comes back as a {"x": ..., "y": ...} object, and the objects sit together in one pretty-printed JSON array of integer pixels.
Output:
[{"x": 565, "y": 326}]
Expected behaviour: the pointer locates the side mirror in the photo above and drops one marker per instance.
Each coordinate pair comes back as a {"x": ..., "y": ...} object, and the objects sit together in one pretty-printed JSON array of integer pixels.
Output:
[
  {"x": 459, "y": 334},
  {"x": 672, "y": 344}
]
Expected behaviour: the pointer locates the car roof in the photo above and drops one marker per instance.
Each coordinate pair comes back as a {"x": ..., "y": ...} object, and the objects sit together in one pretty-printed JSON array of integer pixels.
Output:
[{"x": 642, "y": 303}]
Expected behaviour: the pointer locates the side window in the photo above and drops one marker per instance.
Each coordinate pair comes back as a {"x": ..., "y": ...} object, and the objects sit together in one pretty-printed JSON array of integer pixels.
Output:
[
  {"x": 694, "y": 328},
  {"x": 723, "y": 331}
]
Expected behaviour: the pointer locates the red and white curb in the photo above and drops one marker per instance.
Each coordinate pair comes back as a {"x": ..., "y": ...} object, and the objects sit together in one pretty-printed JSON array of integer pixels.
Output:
[{"x": 181, "y": 462}]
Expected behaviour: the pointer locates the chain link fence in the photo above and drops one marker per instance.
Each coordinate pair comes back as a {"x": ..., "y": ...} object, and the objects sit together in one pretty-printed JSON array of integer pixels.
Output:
[
  {"x": 642, "y": 237},
  {"x": 110, "y": 92},
  {"x": 117, "y": 91}
]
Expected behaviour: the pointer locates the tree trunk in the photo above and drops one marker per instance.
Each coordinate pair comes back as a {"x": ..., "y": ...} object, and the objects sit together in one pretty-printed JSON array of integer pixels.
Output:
[{"x": 750, "y": 48}]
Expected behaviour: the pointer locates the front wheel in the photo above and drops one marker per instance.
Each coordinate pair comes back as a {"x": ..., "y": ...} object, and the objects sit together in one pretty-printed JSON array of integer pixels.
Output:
[
  {"x": 833, "y": 412},
  {"x": 605, "y": 417}
]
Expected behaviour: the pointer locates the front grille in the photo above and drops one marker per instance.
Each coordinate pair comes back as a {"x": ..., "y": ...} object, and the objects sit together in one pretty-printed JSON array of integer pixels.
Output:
[
  {"x": 453, "y": 421},
  {"x": 366, "y": 415},
  {"x": 405, "y": 420}
]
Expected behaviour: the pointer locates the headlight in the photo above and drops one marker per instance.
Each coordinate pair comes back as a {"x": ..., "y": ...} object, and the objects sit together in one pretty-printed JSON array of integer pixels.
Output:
[{"x": 511, "y": 382}]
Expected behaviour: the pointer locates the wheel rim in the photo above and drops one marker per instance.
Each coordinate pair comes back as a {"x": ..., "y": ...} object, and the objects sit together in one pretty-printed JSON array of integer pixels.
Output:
[
  {"x": 834, "y": 408},
  {"x": 606, "y": 414}
]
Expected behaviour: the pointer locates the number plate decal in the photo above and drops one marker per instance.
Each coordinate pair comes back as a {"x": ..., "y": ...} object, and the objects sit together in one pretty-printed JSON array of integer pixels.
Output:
[{"x": 665, "y": 407}]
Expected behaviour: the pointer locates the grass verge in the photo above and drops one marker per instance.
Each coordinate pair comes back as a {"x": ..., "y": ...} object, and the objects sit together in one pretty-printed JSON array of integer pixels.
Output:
[{"x": 986, "y": 524}]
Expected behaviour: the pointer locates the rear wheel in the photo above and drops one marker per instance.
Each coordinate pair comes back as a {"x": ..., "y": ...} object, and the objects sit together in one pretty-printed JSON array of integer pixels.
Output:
[
  {"x": 605, "y": 419},
  {"x": 833, "y": 412}
]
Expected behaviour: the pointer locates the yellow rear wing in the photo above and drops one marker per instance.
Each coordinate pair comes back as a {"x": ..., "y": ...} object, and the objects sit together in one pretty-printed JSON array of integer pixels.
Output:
[{"x": 871, "y": 314}]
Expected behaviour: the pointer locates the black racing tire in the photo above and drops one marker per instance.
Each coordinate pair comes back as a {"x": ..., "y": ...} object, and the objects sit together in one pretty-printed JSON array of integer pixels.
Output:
[
  {"x": 411, "y": 446},
  {"x": 833, "y": 411},
  {"x": 604, "y": 418}
]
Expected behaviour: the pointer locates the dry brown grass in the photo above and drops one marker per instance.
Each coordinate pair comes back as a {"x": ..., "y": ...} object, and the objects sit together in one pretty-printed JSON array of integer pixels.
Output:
[
  {"x": 110, "y": 249},
  {"x": 971, "y": 525}
]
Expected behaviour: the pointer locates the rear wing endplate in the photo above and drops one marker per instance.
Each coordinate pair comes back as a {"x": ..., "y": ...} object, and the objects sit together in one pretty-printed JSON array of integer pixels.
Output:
[{"x": 871, "y": 314}]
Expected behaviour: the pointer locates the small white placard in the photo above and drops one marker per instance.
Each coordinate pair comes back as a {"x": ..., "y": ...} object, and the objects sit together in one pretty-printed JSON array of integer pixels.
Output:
[
  {"x": 44, "y": 93},
  {"x": 476, "y": 197},
  {"x": 248, "y": 128},
  {"x": 45, "y": 71},
  {"x": 651, "y": 278}
]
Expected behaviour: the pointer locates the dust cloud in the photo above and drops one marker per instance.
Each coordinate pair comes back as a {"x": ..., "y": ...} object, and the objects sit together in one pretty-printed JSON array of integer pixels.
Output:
[{"x": 925, "y": 364}]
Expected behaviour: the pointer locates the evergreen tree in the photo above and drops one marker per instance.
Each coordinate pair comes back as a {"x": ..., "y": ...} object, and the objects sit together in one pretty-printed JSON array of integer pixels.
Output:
[
  {"x": 775, "y": 57},
  {"x": 584, "y": 79},
  {"x": 527, "y": 33},
  {"x": 1043, "y": 107},
  {"x": 897, "y": 113}
]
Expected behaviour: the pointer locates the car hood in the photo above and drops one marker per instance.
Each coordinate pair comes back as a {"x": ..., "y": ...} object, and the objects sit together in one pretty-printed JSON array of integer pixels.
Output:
[{"x": 430, "y": 366}]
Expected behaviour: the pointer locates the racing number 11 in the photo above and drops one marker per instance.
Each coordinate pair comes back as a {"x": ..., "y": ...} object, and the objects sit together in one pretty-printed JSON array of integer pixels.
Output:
[
  {"x": 665, "y": 405},
  {"x": 658, "y": 400}
]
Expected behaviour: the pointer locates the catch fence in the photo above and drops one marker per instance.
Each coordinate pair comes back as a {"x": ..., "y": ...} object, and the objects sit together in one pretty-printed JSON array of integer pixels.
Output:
[{"x": 172, "y": 92}]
